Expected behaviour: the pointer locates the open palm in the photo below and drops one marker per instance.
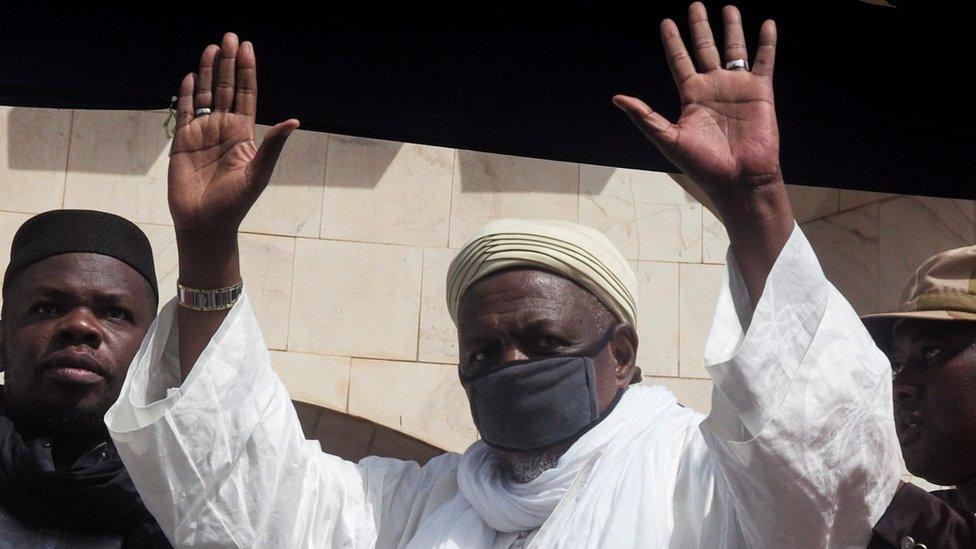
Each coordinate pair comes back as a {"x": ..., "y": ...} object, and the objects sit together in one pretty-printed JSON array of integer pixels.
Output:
[
  {"x": 726, "y": 138},
  {"x": 216, "y": 172}
]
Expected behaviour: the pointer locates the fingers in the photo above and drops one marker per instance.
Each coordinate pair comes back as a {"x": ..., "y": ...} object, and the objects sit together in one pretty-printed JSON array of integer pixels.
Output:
[
  {"x": 227, "y": 77},
  {"x": 766, "y": 54},
  {"x": 203, "y": 94},
  {"x": 184, "y": 102},
  {"x": 267, "y": 154},
  {"x": 224, "y": 79},
  {"x": 246, "y": 94},
  {"x": 735, "y": 40},
  {"x": 674, "y": 49},
  {"x": 702, "y": 40},
  {"x": 658, "y": 129}
]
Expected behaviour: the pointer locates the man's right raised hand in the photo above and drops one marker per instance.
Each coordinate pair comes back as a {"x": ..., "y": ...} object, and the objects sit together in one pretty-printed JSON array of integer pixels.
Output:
[
  {"x": 215, "y": 171},
  {"x": 215, "y": 175}
]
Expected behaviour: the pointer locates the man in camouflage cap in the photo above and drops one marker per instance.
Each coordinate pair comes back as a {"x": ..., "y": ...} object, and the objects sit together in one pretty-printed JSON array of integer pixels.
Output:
[{"x": 930, "y": 340}]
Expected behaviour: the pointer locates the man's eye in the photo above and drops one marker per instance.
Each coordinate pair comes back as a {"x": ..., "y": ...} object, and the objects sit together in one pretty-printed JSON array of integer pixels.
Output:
[
  {"x": 116, "y": 313},
  {"x": 550, "y": 342},
  {"x": 45, "y": 309},
  {"x": 896, "y": 368},
  {"x": 931, "y": 352},
  {"x": 481, "y": 356}
]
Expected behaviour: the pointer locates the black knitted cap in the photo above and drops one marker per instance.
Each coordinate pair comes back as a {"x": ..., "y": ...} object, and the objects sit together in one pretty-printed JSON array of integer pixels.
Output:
[{"x": 66, "y": 231}]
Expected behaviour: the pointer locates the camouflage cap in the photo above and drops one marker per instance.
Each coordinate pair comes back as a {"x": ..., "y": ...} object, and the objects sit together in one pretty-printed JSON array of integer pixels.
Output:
[{"x": 942, "y": 288}]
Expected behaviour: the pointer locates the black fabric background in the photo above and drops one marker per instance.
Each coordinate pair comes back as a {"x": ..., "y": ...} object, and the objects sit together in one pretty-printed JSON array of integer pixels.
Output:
[{"x": 868, "y": 97}]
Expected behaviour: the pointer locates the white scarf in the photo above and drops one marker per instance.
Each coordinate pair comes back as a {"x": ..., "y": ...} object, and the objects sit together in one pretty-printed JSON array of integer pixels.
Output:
[{"x": 491, "y": 506}]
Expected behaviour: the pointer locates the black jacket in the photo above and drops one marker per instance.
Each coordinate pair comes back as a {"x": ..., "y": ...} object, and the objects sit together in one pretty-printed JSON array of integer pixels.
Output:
[{"x": 919, "y": 519}]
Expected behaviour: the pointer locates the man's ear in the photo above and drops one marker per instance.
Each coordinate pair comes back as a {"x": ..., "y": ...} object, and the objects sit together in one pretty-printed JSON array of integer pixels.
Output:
[{"x": 623, "y": 347}]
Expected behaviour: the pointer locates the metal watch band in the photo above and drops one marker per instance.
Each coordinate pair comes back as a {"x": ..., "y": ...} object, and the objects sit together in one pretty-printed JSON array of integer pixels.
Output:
[{"x": 220, "y": 299}]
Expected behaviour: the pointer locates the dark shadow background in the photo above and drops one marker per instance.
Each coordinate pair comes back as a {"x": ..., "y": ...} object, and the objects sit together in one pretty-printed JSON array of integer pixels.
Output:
[{"x": 868, "y": 97}]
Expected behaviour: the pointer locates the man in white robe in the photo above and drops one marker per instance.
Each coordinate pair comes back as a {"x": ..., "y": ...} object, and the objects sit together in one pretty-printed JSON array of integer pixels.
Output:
[{"x": 798, "y": 451}]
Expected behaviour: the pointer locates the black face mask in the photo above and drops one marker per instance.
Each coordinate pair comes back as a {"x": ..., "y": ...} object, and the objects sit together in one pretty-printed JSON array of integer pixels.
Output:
[{"x": 531, "y": 404}]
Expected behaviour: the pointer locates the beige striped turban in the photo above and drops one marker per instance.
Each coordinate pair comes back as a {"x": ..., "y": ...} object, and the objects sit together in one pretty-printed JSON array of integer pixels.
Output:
[{"x": 577, "y": 252}]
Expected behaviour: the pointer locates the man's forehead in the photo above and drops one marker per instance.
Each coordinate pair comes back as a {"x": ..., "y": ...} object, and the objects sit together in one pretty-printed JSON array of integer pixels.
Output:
[
  {"x": 79, "y": 269},
  {"x": 524, "y": 299},
  {"x": 525, "y": 284}
]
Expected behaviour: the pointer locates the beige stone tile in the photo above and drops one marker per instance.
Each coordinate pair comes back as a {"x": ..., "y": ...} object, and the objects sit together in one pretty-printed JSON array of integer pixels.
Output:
[
  {"x": 9, "y": 223},
  {"x": 33, "y": 158},
  {"x": 606, "y": 203},
  {"x": 693, "y": 393},
  {"x": 699, "y": 289},
  {"x": 660, "y": 188},
  {"x": 355, "y": 299},
  {"x": 422, "y": 400},
  {"x": 855, "y": 199},
  {"x": 384, "y": 191},
  {"x": 266, "y": 267},
  {"x": 291, "y": 205},
  {"x": 165, "y": 259},
  {"x": 647, "y": 215},
  {"x": 657, "y": 318},
  {"x": 438, "y": 336},
  {"x": 669, "y": 220},
  {"x": 847, "y": 245},
  {"x": 715, "y": 240},
  {"x": 493, "y": 186},
  {"x": 118, "y": 164},
  {"x": 913, "y": 229},
  {"x": 316, "y": 379},
  {"x": 812, "y": 202},
  {"x": 670, "y": 232}
]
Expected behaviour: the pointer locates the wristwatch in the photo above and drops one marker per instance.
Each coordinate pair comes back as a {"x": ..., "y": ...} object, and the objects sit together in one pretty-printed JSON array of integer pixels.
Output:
[{"x": 219, "y": 299}]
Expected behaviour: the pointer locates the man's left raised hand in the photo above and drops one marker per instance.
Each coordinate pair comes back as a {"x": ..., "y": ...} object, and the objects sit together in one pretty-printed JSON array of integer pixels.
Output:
[{"x": 726, "y": 139}]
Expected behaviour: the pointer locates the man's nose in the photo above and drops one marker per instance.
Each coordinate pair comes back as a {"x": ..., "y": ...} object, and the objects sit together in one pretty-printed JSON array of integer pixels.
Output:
[
  {"x": 80, "y": 327},
  {"x": 905, "y": 388}
]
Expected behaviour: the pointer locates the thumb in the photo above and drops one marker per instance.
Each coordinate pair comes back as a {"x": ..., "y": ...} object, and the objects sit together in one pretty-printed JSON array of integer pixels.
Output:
[
  {"x": 267, "y": 154},
  {"x": 658, "y": 129}
]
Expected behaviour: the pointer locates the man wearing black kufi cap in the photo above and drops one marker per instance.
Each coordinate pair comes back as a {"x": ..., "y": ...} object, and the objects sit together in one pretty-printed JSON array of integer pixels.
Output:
[{"x": 79, "y": 294}]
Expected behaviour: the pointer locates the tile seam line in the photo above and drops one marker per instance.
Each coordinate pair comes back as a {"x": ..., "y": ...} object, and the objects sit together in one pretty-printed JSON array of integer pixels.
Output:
[
  {"x": 420, "y": 303},
  {"x": 67, "y": 158},
  {"x": 325, "y": 174}
]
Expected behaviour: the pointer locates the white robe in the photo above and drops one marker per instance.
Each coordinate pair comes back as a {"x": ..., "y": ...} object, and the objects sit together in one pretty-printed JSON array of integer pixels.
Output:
[{"x": 798, "y": 451}]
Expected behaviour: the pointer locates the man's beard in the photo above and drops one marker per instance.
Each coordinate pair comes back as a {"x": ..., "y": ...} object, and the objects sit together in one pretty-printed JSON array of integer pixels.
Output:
[
  {"x": 522, "y": 467},
  {"x": 43, "y": 419},
  {"x": 73, "y": 422},
  {"x": 35, "y": 418}
]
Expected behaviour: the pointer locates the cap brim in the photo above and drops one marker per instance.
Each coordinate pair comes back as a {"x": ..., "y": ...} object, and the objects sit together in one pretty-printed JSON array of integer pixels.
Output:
[{"x": 879, "y": 324}]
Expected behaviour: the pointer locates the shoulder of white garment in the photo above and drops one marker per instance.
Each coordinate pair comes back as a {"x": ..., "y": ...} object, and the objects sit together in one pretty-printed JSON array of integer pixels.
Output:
[
  {"x": 802, "y": 397},
  {"x": 751, "y": 353}
]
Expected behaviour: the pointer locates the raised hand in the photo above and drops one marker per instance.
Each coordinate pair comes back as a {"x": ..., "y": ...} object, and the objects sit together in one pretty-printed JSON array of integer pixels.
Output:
[
  {"x": 215, "y": 175},
  {"x": 216, "y": 172},
  {"x": 726, "y": 138}
]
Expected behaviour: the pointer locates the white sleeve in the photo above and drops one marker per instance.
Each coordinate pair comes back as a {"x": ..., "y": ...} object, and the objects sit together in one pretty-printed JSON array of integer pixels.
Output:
[
  {"x": 801, "y": 427},
  {"x": 221, "y": 461}
]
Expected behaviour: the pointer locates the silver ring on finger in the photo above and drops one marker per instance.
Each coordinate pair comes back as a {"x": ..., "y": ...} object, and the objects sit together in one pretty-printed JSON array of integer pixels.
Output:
[
  {"x": 203, "y": 111},
  {"x": 737, "y": 64}
]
